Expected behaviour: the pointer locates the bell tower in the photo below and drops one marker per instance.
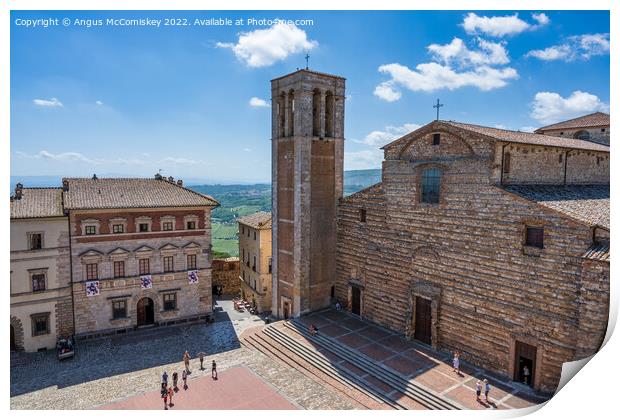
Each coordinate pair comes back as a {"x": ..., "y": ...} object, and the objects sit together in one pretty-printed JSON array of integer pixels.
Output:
[{"x": 307, "y": 174}]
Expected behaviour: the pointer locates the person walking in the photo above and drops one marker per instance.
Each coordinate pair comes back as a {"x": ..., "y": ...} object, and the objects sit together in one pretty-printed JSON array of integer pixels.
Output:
[
  {"x": 175, "y": 380},
  {"x": 184, "y": 379},
  {"x": 487, "y": 389},
  {"x": 186, "y": 361},
  {"x": 478, "y": 390},
  {"x": 164, "y": 378},
  {"x": 170, "y": 394},
  {"x": 213, "y": 370},
  {"x": 456, "y": 363},
  {"x": 164, "y": 395},
  {"x": 201, "y": 357}
]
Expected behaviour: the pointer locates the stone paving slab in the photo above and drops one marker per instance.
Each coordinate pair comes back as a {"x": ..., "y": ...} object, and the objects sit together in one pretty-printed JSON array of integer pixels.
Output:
[
  {"x": 377, "y": 352},
  {"x": 237, "y": 388},
  {"x": 374, "y": 333},
  {"x": 354, "y": 340}
]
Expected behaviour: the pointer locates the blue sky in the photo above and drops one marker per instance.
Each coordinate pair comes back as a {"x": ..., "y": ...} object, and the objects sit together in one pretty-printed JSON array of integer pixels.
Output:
[{"x": 129, "y": 100}]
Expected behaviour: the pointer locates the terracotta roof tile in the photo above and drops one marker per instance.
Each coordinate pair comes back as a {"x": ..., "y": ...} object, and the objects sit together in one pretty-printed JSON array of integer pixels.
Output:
[
  {"x": 585, "y": 203},
  {"x": 259, "y": 220},
  {"x": 530, "y": 138},
  {"x": 597, "y": 119},
  {"x": 37, "y": 202},
  {"x": 114, "y": 193}
]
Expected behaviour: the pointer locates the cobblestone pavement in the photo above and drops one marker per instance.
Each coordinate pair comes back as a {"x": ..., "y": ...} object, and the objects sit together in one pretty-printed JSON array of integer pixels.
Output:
[{"x": 114, "y": 368}]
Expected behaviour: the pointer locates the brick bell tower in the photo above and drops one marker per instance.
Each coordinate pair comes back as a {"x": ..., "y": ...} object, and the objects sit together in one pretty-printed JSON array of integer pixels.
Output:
[{"x": 307, "y": 125}]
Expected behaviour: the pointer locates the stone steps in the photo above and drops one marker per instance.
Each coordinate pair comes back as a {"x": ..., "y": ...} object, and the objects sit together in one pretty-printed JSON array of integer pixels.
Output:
[
  {"x": 386, "y": 375},
  {"x": 314, "y": 365}
]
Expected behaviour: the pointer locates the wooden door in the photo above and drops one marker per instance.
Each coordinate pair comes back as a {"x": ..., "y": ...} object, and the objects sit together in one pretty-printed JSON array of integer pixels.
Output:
[
  {"x": 525, "y": 356},
  {"x": 145, "y": 311},
  {"x": 13, "y": 346},
  {"x": 356, "y": 297},
  {"x": 287, "y": 310},
  {"x": 423, "y": 317}
]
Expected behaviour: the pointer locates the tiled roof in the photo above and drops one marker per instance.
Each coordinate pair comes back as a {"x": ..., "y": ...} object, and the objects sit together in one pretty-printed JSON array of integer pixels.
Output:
[
  {"x": 598, "y": 251},
  {"x": 259, "y": 220},
  {"x": 598, "y": 119},
  {"x": 530, "y": 138},
  {"x": 586, "y": 203},
  {"x": 37, "y": 202},
  {"x": 114, "y": 193}
]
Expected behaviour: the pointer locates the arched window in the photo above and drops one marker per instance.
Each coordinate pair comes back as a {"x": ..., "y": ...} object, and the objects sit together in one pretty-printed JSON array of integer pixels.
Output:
[
  {"x": 329, "y": 114},
  {"x": 291, "y": 113},
  {"x": 430, "y": 185},
  {"x": 582, "y": 135},
  {"x": 316, "y": 113},
  {"x": 281, "y": 114}
]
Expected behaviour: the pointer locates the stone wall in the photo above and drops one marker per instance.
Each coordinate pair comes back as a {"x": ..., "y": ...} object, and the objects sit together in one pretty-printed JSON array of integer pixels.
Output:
[
  {"x": 225, "y": 273},
  {"x": 488, "y": 290},
  {"x": 597, "y": 134},
  {"x": 593, "y": 300}
]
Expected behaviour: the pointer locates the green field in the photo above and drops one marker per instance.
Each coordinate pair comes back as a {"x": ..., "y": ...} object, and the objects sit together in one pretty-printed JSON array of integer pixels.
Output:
[{"x": 225, "y": 239}]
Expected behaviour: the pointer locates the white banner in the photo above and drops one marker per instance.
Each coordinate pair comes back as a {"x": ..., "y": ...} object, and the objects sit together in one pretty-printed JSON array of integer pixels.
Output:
[
  {"x": 192, "y": 276},
  {"x": 146, "y": 282},
  {"x": 92, "y": 288}
]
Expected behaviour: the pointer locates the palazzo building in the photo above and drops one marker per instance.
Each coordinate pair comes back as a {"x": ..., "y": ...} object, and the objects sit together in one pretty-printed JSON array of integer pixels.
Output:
[{"x": 256, "y": 262}]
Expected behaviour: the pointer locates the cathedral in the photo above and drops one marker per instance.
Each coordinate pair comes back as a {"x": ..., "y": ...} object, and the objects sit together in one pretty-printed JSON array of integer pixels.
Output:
[{"x": 490, "y": 242}]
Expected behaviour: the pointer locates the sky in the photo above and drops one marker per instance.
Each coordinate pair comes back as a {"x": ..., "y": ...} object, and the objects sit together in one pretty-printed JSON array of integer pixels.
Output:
[{"x": 192, "y": 100}]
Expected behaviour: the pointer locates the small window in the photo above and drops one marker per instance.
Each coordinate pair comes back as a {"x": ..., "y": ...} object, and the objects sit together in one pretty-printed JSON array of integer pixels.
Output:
[
  {"x": 143, "y": 227},
  {"x": 144, "y": 266},
  {"x": 119, "y": 269},
  {"x": 119, "y": 309},
  {"x": 191, "y": 262},
  {"x": 38, "y": 282},
  {"x": 168, "y": 264},
  {"x": 242, "y": 230},
  {"x": 92, "y": 272},
  {"x": 561, "y": 133},
  {"x": 598, "y": 160},
  {"x": 254, "y": 235},
  {"x": 431, "y": 183},
  {"x": 436, "y": 139},
  {"x": 35, "y": 241},
  {"x": 90, "y": 230},
  {"x": 560, "y": 158},
  {"x": 167, "y": 226},
  {"x": 170, "y": 301},
  {"x": 507, "y": 163},
  {"x": 191, "y": 225},
  {"x": 270, "y": 262},
  {"x": 602, "y": 130},
  {"x": 40, "y": 324},
  {"x": 248, "y": 233},
  {"x": 118, "y": 228},
  {"x": 534, "y": 236},
  {"x": 363, "y": 215},
  {"x": 254, "y": 263}
]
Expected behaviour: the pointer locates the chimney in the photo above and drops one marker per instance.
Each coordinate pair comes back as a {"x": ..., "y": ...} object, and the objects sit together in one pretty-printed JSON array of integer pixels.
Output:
[
  {"x": 65, "y": 185},
  {"x": 158, "y": 176},
  {"x": 18, "y": 191},
  {"x": 170, "y": 179},
  {"x": 180, "y": 182},
  {"x": 95, "y": 177}
]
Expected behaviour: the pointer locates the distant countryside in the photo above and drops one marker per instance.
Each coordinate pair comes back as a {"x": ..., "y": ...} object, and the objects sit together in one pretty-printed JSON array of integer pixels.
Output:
[{"x": 240, "y": 200}]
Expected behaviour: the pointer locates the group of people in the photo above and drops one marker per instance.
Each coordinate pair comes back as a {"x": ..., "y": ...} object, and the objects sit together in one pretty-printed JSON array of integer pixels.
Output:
[
  {"x": 168, "y": 392},
  {"x": 456, "y": 367}
]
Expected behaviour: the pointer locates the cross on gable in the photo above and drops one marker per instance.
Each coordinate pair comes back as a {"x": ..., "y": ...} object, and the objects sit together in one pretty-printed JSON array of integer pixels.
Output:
[{"x": 438, "y": 105}]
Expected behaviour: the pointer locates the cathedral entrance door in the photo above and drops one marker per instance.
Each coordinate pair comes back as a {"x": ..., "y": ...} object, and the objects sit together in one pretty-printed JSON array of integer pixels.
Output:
[
  {"x": 145, "y": 311},
  {"x": 356, "y": 300},
  {"x": 525, "y": 361},
  {"x": 423, "y": 318},
  {"x": 287, "y": 310}
]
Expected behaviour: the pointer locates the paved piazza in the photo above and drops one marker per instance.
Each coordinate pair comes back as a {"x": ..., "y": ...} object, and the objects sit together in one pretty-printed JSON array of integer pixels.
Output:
[{"x": 124, "y": 371}]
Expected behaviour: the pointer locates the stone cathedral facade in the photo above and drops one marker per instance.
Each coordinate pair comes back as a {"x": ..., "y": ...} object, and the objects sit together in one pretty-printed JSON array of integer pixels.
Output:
[{"x": 491, "y": 242}]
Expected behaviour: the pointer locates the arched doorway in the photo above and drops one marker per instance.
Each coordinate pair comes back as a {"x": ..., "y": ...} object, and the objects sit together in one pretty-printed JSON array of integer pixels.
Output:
[
  {"x": 146, "y": 311},
  {"x": 13, "y": 346}
]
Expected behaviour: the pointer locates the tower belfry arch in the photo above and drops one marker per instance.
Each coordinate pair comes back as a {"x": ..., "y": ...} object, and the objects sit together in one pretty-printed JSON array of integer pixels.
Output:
[{"x": 307, "y": 178}]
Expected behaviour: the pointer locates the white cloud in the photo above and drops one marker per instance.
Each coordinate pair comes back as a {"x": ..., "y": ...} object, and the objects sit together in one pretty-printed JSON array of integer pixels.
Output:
[
  {"x": 386, "y": 92},
  {"x": 99, "y": 103},
  {"x": 497, "y": 26},
  {"x": 50, "y": 103},
  {"x": 380, "y": 138},
  {"x": 76, "y": 157},
  {"x": 264, "y": 47},
  {"x": 575, "y": 47},
  {"x": 247, "y": 149},
  {"x": 528, "y": 129},
  {"x": 174, "y": 161},
  {"x": 457, "y": 52},
  {"x": 550, "y": 107},
  {"x": 541, "y": 18},
  {"x": 363, "y": 159},
  {"x": 428, "y": 77},
  {"x": 258, "y": 103}
]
